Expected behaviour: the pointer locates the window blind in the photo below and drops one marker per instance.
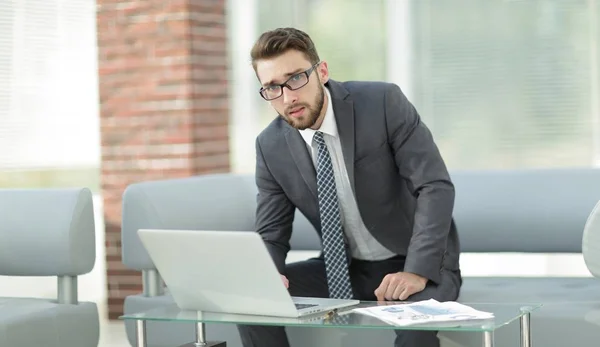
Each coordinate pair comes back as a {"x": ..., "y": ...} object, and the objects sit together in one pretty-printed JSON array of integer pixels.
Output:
[
  {"x": 48, "y": 84},
  {"x": 506, "y": 84}
]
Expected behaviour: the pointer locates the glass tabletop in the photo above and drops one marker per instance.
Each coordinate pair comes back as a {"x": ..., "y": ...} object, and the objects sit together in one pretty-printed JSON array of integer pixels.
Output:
[{"x": 504, "y": 313}]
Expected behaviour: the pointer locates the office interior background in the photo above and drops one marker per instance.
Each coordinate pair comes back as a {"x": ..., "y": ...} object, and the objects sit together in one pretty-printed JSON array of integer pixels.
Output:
[{"x": 107, "y": 93}]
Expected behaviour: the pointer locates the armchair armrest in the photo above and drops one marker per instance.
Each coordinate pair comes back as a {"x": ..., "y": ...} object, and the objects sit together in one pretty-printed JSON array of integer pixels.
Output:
[{"x": 591, "y": 242}]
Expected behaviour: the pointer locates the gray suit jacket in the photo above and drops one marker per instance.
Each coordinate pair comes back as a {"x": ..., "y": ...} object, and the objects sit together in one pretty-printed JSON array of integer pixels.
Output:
[{"x": 401, "y": 184}]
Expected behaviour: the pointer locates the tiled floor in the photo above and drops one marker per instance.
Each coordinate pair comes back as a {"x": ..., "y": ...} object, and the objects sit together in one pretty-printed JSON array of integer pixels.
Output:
[{"x": 112, "y": 333}]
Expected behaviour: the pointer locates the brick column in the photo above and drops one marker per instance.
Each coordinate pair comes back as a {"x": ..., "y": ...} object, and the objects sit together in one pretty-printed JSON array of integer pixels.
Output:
[{"x": 163, "y": 105}]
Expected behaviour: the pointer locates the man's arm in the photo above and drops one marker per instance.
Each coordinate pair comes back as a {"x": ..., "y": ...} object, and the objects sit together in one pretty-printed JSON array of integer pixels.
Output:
[
  {"x": 419, "y": 161},
  {"x": 274, "y": 213}
]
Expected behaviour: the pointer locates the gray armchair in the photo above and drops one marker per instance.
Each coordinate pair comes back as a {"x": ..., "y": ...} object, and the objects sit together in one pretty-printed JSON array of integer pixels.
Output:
[
  {"x": 48, "y": 232},
  {"x": 591, "y": 242}
]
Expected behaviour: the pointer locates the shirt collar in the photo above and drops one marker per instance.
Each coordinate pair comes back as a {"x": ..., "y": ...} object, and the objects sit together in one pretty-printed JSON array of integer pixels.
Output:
[{"x": 329, "y": 125}]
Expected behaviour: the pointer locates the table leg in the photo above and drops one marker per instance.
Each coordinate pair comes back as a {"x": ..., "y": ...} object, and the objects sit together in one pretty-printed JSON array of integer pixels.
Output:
[
  {"x": 488, "y": 339},
  {"x": 140, "y": 333},
  {"x": 201, "y": 339},
  {"x": 200, "y": 335},
  {"x": 526, "y": 330}
]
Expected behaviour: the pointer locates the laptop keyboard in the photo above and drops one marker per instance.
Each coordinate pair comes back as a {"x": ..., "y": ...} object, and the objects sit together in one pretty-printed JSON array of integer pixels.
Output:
[{"x": 301, "y": 306}]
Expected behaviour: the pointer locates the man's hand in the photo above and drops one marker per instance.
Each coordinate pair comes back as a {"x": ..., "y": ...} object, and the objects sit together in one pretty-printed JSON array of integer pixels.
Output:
[
  {"x": 286, "y": 283},
  {"x": 399, "y": 286}
]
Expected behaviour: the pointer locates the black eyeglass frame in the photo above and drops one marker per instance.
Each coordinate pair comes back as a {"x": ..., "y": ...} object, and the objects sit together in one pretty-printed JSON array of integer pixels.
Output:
[{"x": 306, "y": 72}]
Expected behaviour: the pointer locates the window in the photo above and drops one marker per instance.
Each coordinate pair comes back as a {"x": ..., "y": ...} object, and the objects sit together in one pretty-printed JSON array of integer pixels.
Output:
[
  {"x": 509, "y": 84},
  {"x": 501, "y": 84},
  {"x": 49, "y": 132}
]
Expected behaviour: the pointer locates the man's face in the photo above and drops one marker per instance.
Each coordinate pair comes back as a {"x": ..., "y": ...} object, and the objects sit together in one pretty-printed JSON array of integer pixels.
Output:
[{"x": 301, "y": 107}]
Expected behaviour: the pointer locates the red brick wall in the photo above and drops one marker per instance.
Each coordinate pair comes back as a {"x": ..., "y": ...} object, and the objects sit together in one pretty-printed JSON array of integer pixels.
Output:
[{"x": 164, "y": 107}]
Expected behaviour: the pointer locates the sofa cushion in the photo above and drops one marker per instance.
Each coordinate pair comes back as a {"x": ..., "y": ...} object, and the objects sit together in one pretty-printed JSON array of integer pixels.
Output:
[
  {"x": 530, "y": 289},
  {"x": 570, "y": 315},
  {"x": 28, "y": 322}
]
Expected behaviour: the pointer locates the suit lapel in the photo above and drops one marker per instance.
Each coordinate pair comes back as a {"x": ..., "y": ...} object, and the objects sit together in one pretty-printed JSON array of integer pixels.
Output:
[
  {"x": 303, "y": 160},
  {"x": 343, "y": 108}
]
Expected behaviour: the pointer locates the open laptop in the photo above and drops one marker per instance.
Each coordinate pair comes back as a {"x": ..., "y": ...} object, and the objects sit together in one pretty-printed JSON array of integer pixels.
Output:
[{"x": 226, "y": 272}]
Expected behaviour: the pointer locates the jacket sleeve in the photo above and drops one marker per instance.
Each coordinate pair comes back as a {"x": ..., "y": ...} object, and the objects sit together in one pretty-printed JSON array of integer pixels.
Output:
[
  {"x": 419, "y": 161},
  {"x": 274, "y": 213}
]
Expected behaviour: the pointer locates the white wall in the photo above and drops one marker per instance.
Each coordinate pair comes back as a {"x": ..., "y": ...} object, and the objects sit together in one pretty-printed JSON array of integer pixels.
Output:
[{"x": 244, "y": 120}]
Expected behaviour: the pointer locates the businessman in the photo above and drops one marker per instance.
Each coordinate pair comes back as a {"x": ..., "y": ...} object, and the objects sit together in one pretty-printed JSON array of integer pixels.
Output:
[{"x": 356, "y": 159}]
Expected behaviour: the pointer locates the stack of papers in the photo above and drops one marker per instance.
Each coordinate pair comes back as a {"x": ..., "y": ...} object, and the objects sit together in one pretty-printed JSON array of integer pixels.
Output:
[{"x": 423, "y": 312}]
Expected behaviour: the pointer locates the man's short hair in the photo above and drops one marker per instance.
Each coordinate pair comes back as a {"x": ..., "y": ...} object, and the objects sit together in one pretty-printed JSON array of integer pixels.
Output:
[{"x": 278, "y": 41}]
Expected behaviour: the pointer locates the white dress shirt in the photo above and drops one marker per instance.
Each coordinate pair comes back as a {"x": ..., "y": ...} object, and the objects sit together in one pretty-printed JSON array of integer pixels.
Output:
[{"x": 362, "y": 244}]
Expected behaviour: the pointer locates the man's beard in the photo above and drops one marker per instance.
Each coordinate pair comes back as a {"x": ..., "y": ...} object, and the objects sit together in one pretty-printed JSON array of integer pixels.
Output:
[{"x": 312, "y": 114}]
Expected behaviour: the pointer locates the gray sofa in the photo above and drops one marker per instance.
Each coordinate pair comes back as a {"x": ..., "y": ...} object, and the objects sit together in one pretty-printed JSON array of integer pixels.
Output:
[
  {"x": 531, "y": 211},
  {"x": 48, "y": 232}
]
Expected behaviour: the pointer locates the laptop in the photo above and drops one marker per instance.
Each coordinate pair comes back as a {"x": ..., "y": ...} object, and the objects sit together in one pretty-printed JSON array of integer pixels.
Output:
[{"x": 226, "y": 272}]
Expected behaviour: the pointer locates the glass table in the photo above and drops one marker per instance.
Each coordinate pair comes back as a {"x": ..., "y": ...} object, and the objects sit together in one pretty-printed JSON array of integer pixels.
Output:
[{"x": 504, "y": 313}]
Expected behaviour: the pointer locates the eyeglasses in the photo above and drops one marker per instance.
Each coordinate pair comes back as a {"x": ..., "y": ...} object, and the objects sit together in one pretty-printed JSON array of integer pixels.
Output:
[{"x": 295, "y": 82}]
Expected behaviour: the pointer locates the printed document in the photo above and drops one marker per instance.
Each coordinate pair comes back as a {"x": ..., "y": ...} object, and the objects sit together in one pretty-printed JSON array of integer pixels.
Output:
[{"x": 423, "y": 312}]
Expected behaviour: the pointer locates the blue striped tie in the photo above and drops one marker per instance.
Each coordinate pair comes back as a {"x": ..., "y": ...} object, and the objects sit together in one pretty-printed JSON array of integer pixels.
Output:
[{"x": 336, "y": 264}]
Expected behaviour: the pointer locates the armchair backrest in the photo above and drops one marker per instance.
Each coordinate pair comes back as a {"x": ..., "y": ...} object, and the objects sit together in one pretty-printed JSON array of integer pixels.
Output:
[
  {"x": 46, "y": 232},
  {"x": 533, "y": 211}
]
